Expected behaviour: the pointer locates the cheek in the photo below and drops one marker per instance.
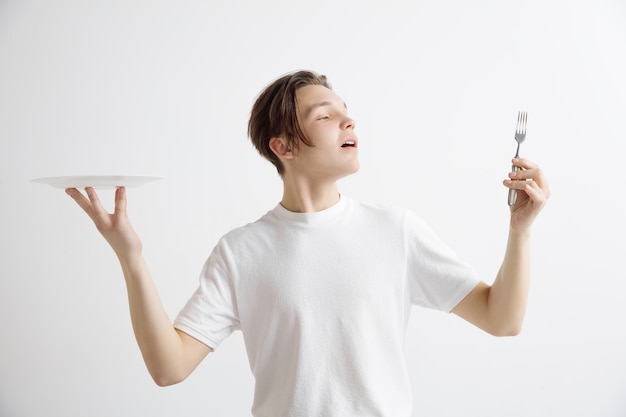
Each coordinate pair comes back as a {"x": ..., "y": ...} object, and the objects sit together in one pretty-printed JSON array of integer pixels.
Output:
[
  {"x": 324, "y": 137},
  {"x": 314, "y": 134}
]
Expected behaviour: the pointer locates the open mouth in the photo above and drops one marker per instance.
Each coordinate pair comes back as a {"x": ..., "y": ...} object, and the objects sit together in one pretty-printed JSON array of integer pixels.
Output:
[{"x": 349, "y": 144}]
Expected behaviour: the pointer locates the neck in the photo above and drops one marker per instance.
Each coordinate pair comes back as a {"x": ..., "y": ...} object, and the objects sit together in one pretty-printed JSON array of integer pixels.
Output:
[{"x": 305, "y": 197}]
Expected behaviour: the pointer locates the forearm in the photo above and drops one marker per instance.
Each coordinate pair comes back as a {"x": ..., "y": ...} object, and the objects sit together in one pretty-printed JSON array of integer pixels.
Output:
[
  {"x": 499, "y": 309},
  {"x": 170, "y": 355},
  {"x": 160, "y": 344},
  {"x": 509, "y": 292}
]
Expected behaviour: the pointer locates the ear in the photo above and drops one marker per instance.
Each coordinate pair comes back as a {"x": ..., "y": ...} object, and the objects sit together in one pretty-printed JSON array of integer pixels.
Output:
[{"x": 280, "y": 148}]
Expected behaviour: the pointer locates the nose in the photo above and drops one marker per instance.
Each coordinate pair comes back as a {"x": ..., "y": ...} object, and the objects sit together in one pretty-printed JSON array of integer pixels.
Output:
[{"x": 347, "y": 123}]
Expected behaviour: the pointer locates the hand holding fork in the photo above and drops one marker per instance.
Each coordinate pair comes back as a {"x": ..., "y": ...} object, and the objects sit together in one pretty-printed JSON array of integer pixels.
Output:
[
  {"x": 520, "y": 135},
  {"x": 527, "y": 177}
]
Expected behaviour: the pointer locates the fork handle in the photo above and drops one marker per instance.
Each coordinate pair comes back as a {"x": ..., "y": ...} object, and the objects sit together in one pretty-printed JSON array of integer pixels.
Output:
[{"x": 512, "y": 192}]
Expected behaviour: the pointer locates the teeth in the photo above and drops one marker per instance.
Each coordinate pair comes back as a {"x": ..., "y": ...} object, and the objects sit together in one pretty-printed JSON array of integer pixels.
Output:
[{"x": 348, "y": 143}]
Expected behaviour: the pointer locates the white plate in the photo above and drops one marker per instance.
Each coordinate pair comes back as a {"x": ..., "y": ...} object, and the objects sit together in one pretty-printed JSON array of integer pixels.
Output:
[{"x": 96, "y": 181}]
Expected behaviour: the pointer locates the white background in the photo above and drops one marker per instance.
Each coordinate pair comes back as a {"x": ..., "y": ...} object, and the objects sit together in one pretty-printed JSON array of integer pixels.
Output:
[{"x": 165, "y": 88}]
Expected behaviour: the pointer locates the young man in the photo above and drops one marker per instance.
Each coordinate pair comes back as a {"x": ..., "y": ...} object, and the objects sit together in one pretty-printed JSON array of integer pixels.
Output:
[{"x": 321, "y": 286}]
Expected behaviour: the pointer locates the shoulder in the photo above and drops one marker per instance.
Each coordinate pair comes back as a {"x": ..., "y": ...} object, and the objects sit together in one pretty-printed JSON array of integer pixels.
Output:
[
  {"x": 385, "y": 213},
  {"x": 398, "y": 219},
  {"x": 249, "y": 234}
]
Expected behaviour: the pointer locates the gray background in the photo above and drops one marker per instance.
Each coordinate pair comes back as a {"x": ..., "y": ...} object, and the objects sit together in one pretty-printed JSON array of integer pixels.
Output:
[{"x": 165, "y": 88}]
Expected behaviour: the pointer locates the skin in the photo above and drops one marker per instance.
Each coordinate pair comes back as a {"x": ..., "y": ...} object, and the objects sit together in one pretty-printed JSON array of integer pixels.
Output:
[
  {"x": 310, "y": 184},
  {"x": 311, "y": 173},
  {"x": 169, "y": 354}
]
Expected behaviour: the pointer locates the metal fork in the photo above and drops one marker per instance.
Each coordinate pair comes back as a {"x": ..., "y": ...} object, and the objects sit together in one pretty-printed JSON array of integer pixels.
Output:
[{"x": 520, "y": 135}]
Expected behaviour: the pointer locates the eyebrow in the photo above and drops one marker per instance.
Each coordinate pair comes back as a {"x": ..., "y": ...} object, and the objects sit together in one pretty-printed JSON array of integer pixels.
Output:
[{"x": 315, "y": 106}]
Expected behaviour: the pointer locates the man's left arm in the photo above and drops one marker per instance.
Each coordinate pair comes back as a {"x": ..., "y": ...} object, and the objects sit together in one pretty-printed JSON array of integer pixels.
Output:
[{"x": 499, "y": 308}]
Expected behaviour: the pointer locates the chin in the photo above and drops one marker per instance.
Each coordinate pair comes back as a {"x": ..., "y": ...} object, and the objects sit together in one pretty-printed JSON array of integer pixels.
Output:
[{"x": 353, "y": 170}]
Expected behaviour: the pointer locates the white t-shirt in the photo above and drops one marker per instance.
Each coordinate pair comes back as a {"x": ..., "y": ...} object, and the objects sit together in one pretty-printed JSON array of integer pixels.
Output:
[{"x": 323, "y": 301}]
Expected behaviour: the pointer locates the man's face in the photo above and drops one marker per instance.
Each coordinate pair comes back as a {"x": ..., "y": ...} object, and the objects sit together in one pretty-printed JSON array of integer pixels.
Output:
[{"x": 324, "y": 119}]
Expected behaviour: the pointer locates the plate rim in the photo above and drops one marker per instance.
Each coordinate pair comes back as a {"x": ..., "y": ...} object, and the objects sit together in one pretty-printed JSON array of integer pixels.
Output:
[{"x": 99, "y": 181}]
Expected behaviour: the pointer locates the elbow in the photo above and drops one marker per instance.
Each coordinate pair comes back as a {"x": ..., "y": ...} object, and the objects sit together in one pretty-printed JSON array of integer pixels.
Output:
[
  {"x": 515, "y": 331},
  {"x": 507, "y": 331},
  {"x": 161, "y": 382},
  {"x": 166, "y": 380}
]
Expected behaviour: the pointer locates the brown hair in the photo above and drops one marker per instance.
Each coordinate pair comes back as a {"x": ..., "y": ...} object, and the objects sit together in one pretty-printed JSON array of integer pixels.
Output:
[{"x": 275, "y": 114}]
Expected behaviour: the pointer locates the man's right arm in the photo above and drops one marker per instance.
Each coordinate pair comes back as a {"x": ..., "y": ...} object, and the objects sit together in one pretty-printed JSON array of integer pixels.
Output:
[{"x": 170, "y": 354}]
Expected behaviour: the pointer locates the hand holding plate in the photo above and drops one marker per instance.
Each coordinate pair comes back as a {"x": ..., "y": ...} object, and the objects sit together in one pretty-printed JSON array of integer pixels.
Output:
[{"x": 115, "y": 227}]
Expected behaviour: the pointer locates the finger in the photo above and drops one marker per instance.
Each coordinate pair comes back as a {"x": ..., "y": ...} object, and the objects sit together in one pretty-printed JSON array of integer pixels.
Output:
[
  {"x": 515, "y": 184},
  {"x": 120, "y": 200},
  {"x": 524, "y": 163},
  {"x": 80, "y": 199},
  {"x": 71, "y": 192},
  {"x": 96, "y": 205},
  {"x": 524, "y": 174},
  {"x": 541, "y": 188},
  {"x": 536, "y": 193},
  {"x": 535, "y": 175}
]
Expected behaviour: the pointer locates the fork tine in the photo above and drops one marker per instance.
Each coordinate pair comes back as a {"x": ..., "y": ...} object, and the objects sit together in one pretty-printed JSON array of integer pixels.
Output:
[{"x": 521, "y": 122}]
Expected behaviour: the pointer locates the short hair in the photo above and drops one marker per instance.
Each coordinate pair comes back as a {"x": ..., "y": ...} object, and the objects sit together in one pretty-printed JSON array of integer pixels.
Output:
[{"x": 275, "y": 114}]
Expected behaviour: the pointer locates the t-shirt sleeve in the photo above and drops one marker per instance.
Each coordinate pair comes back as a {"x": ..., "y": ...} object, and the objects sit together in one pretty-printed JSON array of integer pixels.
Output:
[
  {"x": 438, "y": 278},
  {"x": 210, "y": 315}
]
